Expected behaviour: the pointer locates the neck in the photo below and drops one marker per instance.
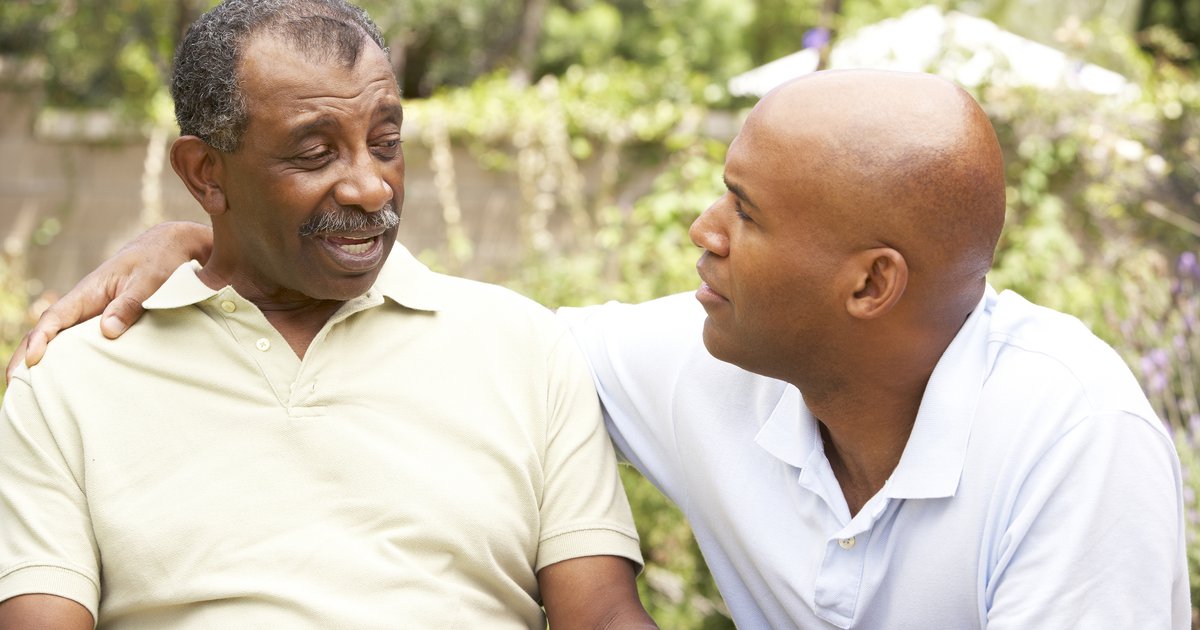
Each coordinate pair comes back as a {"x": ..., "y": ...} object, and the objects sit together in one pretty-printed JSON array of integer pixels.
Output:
[
  {"x": 867, "y": 418},
  {"x": 864, "y": 450},
  {"x": 298, "y": 318},
  {"x": 299, "y": 325}
]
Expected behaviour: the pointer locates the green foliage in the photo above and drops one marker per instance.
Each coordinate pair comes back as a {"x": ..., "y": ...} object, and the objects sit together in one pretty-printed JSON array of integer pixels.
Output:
[
  {"x": 677, "y": 35},
  {"x": 621, "y": 117},
  {"x": 111, "y": 54}
]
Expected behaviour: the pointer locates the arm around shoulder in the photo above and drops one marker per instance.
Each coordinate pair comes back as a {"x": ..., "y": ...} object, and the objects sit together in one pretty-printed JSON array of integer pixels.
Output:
[{"x": 118, "y": 286}]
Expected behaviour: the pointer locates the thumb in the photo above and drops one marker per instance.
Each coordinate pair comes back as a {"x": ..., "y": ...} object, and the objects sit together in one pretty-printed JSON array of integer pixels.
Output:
[{"x": 120, "y": 314}]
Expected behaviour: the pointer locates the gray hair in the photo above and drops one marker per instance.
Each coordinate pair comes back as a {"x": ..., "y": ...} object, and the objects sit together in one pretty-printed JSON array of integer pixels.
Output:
[{"x": 209, "y": 102}]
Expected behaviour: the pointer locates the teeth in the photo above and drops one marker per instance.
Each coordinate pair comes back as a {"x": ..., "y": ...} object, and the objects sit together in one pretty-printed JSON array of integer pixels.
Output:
[{"x": 357, "y": 248}]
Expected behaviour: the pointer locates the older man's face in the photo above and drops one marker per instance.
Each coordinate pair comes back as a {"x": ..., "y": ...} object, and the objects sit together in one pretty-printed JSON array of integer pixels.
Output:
[{"x": 322, "y": 140}]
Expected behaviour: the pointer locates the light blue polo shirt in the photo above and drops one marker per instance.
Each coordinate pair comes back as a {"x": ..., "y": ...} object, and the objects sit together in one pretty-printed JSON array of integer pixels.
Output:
[{"x": 1038, "y": 489}]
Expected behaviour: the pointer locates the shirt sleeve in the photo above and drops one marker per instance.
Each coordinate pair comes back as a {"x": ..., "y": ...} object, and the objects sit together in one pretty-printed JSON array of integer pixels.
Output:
[
  {"x": 584, "y": 510},
  {"x": 1096, "y": 538},
  {"x": 46, "y": 540},
  {"x": 637, "y": 354}
]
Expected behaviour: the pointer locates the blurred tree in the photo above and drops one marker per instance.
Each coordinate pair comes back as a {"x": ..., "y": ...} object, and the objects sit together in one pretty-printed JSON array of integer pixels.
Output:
[
  {"x": 114, "y": 54},
  {"x": 1170, "y": 29}
]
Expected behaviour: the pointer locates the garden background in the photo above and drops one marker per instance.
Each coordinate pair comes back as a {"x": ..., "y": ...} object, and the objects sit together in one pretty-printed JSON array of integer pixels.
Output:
[{"x": 562, "y": 147}]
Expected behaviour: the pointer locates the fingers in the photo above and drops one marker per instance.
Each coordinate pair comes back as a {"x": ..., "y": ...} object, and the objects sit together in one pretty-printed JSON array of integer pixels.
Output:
[
  {"x": 17, "y": 357},
  {"x": 124, "y": 311},
  {"x": 62, "y": 314},
  {"x": 117, "y": 287},
  {"x": 82, "y": 302}
]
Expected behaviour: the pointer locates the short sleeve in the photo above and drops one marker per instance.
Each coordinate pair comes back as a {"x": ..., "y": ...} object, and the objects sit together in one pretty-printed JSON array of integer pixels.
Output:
[
  {"x": 637, "y": 353},
  {"x": 46, "y": 540},
  {"x": 1095, "y": 538},
  {"x": 584, "y": 511}
]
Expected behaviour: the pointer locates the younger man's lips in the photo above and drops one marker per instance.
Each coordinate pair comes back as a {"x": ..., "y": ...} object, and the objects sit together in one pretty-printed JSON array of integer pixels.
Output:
[{"x": 707, "y": 295}]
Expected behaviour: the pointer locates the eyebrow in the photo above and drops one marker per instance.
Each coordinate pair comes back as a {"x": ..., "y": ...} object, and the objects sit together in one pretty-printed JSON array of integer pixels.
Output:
[
  {"x": 740, "y": 193},
  {"x": 301, "y": 132},
  {"x": 392, "y": 111}
]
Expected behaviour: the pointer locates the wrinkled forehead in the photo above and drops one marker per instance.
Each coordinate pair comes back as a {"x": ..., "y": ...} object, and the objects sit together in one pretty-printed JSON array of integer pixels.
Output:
[{"x": 275, "y": 67}]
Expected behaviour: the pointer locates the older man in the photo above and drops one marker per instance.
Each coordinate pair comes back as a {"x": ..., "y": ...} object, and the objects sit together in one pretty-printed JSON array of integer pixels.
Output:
[
  {"x": 861, "y": 431},
  {"x": 305, "y": 432}
]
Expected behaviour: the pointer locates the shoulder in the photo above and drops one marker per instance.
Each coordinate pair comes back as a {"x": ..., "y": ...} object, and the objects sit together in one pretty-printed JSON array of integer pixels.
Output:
[
  {"x": 82, "y": 355},
  {"x": 463, "y": 295},
  {"x": 69, "y": 348},
  {"x": 467, "y": 310},
  {"x": 1056, "y": 363},
  {"x": 498, "y": 315},
  {"x": 668, "y": 328},
  {"x": 659, "y": 346}
]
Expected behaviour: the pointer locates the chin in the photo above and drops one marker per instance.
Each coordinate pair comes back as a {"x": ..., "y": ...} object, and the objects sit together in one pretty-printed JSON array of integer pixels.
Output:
[
  {"x": 743, "y": 354},
  {"x": 716, "y": 344}
]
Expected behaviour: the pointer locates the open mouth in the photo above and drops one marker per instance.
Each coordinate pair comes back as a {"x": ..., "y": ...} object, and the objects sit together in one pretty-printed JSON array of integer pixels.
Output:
[
  {"x": 352, "y": 246},
  {"x": 353, "y": 253}
]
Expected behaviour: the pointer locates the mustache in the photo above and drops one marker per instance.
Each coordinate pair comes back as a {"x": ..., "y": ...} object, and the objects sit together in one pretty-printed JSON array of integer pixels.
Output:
[{"x": 347, "y": 220}]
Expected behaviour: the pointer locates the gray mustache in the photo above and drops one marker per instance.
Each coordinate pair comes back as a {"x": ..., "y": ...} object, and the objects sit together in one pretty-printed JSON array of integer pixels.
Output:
[{"x": 345, "y": 220}]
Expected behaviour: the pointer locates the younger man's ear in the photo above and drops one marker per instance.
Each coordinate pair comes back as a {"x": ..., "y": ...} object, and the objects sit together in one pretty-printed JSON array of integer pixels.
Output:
[
  {"x": 201, "y": 169},
  {"x": 881, "y": 275}
]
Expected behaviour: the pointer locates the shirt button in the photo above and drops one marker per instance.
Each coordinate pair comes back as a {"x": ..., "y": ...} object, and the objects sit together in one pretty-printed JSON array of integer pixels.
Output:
[
  {"x": 228, "y": 306},
  {"x": 263, "y": 344},
  {"x": 847, "y": 543}
]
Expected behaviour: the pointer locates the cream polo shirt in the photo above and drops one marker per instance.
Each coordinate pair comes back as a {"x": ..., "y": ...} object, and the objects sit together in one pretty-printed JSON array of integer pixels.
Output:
[
  {"x": 1037, "y": 490},
  {"x": 439, "y": 443}
]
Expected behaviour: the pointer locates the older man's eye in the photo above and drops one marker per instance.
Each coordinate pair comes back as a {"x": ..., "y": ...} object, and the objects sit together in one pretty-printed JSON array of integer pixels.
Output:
[
  {"x": 315, "y": 156},
  {"x": 388, "y": 147}
]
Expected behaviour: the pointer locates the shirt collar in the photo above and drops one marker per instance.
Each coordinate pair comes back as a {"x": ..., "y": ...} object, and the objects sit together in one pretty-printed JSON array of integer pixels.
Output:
[
  {"x": 183, "y": 288},
  {"x": 933, "y": 458},
  {"x": 403, "y": 279},
  {"x": 790, "y": 432}
]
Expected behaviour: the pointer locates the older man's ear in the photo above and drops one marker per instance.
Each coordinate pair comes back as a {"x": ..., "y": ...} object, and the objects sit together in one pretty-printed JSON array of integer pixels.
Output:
[{"x": 201, "y": 168}]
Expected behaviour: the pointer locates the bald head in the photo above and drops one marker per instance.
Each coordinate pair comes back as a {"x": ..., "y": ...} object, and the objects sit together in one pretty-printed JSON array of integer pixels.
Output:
[
  {"x": 903, "y": 159},
  {"x": 861, "y": 212}
]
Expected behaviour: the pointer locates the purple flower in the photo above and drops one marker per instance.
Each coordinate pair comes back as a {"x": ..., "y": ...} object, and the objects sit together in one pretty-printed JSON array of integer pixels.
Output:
[
  {"x": 818, "y": 37},
  {"x": 1188, "y": 265},
  {"x": 1153, "y": 372},
  {"x": 1147, "y": 364}
]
